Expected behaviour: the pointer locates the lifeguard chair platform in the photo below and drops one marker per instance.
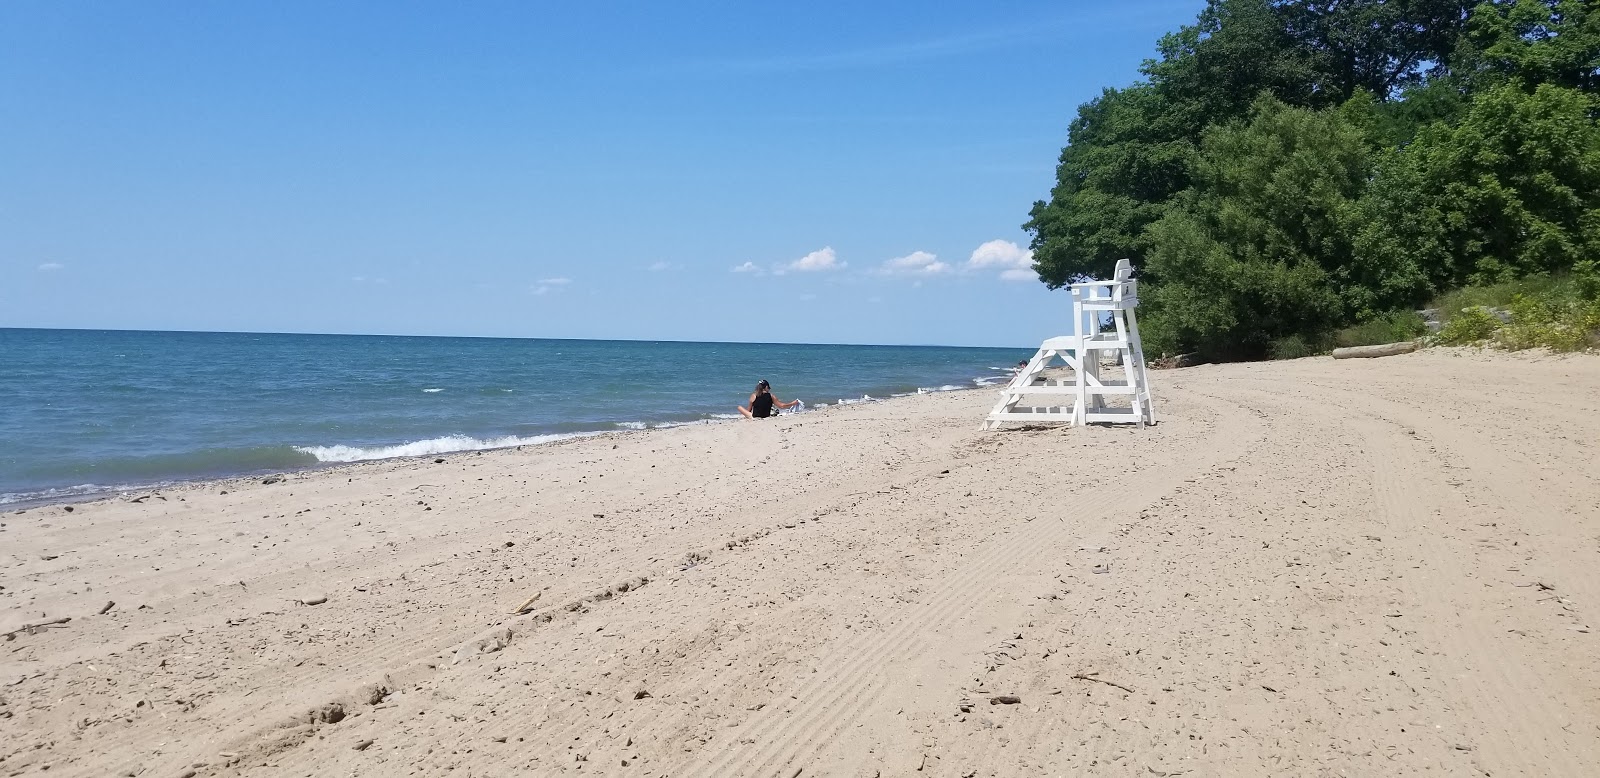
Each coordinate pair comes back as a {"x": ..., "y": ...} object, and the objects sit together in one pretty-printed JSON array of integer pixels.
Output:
[{"x": 1103, "y": 321}]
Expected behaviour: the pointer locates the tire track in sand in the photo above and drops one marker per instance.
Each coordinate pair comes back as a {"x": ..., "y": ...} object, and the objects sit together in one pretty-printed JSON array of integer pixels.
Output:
[
  {"x": 785, "y": 738},
  {"x": 1500, "y": 686}
]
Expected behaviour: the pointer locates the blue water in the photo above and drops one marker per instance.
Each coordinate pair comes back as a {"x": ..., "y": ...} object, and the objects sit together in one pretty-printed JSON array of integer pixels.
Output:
[{"x": 86, "y": 410}]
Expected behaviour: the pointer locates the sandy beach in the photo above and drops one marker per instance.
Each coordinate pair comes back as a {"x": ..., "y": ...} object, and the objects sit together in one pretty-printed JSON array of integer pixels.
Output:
[{"x": 1291, "y": 575}]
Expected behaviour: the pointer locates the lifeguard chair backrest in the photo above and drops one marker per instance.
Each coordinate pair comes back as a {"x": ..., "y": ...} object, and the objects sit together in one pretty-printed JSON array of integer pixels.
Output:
[{"x": 1124, "y": 271}]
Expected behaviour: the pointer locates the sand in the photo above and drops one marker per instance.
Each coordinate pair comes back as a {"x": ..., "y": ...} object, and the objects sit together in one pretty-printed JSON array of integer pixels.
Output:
[{"x": 1366, "y": 567}]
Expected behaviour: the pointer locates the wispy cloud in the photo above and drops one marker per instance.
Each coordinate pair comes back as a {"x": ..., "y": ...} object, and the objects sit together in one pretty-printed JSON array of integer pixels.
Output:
[
  {"x": 917, "y": 263},
  {"x": 661, "y": 267},
  {"x": 880, "y": 55},
  {"x": 1014, "y": 262},
  {"x": 547, "y": 285},
  {"x": 822, "y": 259},
  {"x": 1080, "y": 22},
  {"x": 50, "y": 267},
  {"x": 748, "y": 267}
]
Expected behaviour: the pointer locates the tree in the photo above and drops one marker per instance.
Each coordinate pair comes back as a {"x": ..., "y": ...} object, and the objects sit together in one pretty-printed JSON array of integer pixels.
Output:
[
  {"x": 1538, "y": 42},
  {"x": 1112, "y": 181},
  {"x": 1513, "y": 190},
  {"x": 1260, "y": 248}
]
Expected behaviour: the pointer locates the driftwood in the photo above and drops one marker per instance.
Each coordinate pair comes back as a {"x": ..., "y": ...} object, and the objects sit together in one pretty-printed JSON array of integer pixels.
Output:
[
  {"x": 31, "y": 628},
  {"x": 1368, "y": 352},
  {"x": 1091, "y": 677},
  {"x": 524, "y": 607}
]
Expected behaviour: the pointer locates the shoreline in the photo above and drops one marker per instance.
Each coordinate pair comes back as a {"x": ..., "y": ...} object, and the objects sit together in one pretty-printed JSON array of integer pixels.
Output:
[
  {"x": 1282, "y": 564},
  {"x": 43, "y": 498}
]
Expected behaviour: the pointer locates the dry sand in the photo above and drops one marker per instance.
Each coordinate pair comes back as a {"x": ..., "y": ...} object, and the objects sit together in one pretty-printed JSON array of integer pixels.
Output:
[{"x": 1293, "y": 574}]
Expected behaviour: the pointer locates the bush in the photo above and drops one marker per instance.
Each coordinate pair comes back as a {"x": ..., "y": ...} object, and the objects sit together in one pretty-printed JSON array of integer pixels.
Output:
[
  {"x": 1469, "y": 325},
  {"x": 1559, "y": 324},
  {"x": 1392, "y": 328},
  {"x": 1496, "y": 295},
  {"x": 1293, "y": 347}
]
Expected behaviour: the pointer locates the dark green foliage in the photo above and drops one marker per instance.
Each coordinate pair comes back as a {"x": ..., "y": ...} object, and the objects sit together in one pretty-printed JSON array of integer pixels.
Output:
[
  {"x": 1388, "y": 328},
  {"x": 1512, "y": 190},
  {"x": 1536, "y": 42},
  {"x": 1258, "y": 250},
  {"x": 1292, "y": 171}
]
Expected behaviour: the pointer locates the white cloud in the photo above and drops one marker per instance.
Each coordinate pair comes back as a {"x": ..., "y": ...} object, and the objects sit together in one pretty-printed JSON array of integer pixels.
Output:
[
  {"x": 1014, "y": 262},
  {"x": 821, "y": 259},
  {"x": 748, "y": 267},
  {"x": 657, "y": 267},
  {"x": 52, "y": 266},
  {"x": 916, "y": 263},
  {"x": 807, "y": 297},
  {"x": 547, "y": 285}
]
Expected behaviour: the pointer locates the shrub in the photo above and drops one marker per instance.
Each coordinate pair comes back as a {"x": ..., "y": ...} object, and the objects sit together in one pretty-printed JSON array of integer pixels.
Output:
[
  {"x": 1469, "y": 325},
  {"x": 1391, "y": 328},
  {"x": 1556, "y": 323},
  {"x": 1293, "y": 347}
]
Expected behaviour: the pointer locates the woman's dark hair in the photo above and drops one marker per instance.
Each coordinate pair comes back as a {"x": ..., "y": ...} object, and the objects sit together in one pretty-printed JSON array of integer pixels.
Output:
[{"x": 762, "y": 384}]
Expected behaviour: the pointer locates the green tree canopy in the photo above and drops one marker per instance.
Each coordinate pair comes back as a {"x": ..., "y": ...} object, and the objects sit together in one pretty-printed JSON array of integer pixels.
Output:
[{"x": 1286, "y": 167}]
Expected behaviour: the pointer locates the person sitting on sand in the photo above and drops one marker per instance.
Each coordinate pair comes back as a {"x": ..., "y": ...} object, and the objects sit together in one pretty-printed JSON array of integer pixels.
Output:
[{"x": 762, "y": 402}]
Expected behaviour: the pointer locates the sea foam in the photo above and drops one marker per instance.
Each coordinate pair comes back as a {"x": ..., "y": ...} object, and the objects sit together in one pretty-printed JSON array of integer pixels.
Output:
[{"x": 417, "y": 448}]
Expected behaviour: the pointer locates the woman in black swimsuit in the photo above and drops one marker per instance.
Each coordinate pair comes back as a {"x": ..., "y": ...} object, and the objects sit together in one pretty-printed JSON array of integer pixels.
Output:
[{"x": 762, "y": 402}]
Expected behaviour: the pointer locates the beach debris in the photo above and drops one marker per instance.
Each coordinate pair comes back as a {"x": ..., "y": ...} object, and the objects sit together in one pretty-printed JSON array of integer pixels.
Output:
[
  {"x": 527, "y": 605},
  {"x": 1005, "y": 699},
  {"x": 67, "y": 508},
  {"x": 642, "y": 694},
  {"x": 1102, "y": 568},
  {"x": 34, "y": 629},
  {"x": 48, "y": 557},
  {"x": 1181, "y": 360},
  {"x": 439, "y": 461},
  {"x": 1270, "y": 689},
  {"x": 107, "y": 607},
  {"x": 1091, "y": 677},
  {"x": 362, "y": 745},
  {"x": 312, "y": 599},
  {"x": 272, "y": 479},
  {"x": 1369, "y": 352}
]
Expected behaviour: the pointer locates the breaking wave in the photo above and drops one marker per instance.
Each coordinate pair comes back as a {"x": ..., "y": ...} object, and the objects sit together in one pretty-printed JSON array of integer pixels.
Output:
[{"x": 417, "y": 448}]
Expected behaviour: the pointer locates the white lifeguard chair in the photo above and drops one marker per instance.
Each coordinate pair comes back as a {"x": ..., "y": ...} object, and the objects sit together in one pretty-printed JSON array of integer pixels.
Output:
[{"x": 1032, "y": 397}]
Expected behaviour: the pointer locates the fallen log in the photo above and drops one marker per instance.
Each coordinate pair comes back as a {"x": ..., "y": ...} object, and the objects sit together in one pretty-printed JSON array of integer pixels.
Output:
[{"x": 1368, "y": 352}]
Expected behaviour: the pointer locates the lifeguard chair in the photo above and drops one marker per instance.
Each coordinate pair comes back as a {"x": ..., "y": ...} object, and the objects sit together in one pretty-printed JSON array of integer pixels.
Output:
[{"x": 1033, "y": 397}]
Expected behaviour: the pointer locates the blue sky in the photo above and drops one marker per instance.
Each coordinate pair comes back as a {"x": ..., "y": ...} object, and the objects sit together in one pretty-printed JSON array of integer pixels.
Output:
[{"x": 741, "y": 171}]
